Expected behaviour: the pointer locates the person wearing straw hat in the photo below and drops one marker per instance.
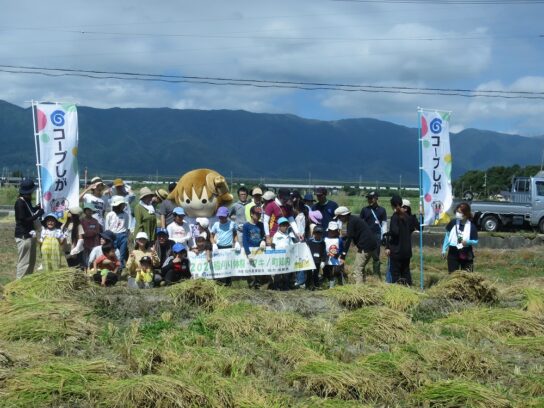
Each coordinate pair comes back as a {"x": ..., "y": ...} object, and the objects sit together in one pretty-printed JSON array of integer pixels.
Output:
[
  {"x": 93, "y": 194},
  {"x": 256, "y": 201},
  {"x": 26, "y": 217},
  {"x": 166, "y": 208},
  {"x": 145, "y": 215}
]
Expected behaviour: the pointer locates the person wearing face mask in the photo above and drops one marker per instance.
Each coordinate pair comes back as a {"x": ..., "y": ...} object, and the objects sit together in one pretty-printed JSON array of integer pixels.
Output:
[{"x": 461, "y": 237}]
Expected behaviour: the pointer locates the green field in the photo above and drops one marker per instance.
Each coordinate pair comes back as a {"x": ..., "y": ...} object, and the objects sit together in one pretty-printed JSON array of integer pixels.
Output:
[{"x": 470, "y": 340}]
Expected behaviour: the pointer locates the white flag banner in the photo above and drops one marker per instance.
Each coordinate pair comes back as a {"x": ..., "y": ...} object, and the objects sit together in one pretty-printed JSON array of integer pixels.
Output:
[
  {"x": 436, "y": 165},
  {"x": 57, "y": 142},
  {"x": 228, "y": 263}
]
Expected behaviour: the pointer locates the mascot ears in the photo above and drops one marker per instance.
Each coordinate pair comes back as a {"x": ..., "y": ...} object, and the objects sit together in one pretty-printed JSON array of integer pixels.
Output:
[{"x": 218, "y": 185}]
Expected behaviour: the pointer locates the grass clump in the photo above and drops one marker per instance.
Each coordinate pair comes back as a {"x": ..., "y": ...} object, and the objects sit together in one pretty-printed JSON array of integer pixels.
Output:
[
  {"x": 154, "y": 391},
  {"x": 454, "y": 357},
  {"x": 54, "y": 285},
  {"x": 527, "y": 343},
  {"x": 459, "y": 394},
  {"x": 355, "y": 296},
  {"x": 376, "y": 325},
  {"x": 204, "y": 293},
  {"x": 399, "y": 297},
  {"x": 38, "y": 320},
  {"x": 533, "y": 301},
  {"x": 492, "y": 323},
  {"x": 328, "y": 379},
  {"x": 60, "y": 381},
  {"x": 466, "y": 287},
  {"x": 401, "y": 369}
]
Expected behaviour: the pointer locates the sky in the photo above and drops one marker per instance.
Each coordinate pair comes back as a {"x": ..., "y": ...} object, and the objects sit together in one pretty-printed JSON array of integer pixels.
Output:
[{"x": 413, "y": 44}]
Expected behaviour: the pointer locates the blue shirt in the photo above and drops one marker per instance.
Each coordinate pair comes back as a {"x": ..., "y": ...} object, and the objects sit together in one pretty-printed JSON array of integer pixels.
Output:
[
  {"x": 326, "y": 210},
  {"x": 253, "y": 234},
  {"x": 224, "y": 233}
]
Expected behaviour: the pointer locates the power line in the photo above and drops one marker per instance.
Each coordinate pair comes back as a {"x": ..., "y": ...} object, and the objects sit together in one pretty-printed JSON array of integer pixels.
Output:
[
  {"x": 259, "y": 83},
  {"x": 447, "y": 2}
]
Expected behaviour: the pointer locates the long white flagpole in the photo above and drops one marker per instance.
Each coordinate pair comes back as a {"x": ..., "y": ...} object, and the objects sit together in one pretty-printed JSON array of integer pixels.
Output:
[
  {"x": 421, "y": 207},
  {"x": 37, "y": 147}
]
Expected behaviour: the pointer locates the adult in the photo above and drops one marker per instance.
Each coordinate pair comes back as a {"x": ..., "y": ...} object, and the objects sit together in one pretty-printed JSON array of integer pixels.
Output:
[
  {"x": 26, "y": 216},
  {"x": 166, "y": 208},
  {"x": 376, "y": 218},
  {"x": 324, "y": 206},
  {"x": 256, "y": 201},
  {"x": 399, "y": 246},
  {"x": 144, "y": 214},
  {"x": 358, "y": 233},
  {"x": 237, "y": 212},
  {"x": 117, "y": 221},
  {"x": 93, "y": 195},
  {"x": 275, "y": 210},
  {"x": 461, "y": 236},
  {"x": 119, "y": 188},
  {"x": 74, "y": 233}
]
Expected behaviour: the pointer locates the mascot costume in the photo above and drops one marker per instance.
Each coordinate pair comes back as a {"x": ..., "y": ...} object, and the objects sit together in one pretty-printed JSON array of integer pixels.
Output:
[{"x": 201, "y": 192}]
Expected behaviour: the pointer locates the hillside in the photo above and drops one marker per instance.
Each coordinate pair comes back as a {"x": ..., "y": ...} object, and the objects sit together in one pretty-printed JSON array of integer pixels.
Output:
[{"x": 170, "y": 142}]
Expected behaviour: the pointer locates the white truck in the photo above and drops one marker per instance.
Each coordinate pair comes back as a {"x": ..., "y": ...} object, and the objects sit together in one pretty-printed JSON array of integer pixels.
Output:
[{"x": 523, "y": 208}]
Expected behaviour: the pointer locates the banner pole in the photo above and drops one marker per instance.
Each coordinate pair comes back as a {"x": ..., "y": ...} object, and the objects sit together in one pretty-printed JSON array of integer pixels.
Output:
[
  {"x": 421, "y": 278},
  {"x": 37, "y": 147}
]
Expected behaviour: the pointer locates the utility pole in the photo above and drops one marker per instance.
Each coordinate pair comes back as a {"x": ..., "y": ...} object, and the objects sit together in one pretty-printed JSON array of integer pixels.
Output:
[
  {"x": 485, "y": 183},
  {"x": 400, "y": 183}
]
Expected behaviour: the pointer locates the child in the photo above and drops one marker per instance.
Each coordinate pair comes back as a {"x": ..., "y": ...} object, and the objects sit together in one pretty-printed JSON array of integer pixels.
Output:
[
  {"x": 163, "y": 245},
  {"x": 106, "y": 237},
  {"x": 179, "y": 231},
  {"x": 333, "y": 248},
  {"x": 224, "y": 235},
  {"x": 91, "y": 232},
  {"x": 51, "y": 239},
  {"x": 141, "y": 249},
  {"x": 203, "y": 245},
  {"x": 73, "y": 245},
  {"x": 177, "y": 266},
  {"x": 318, "y": 250},
  {"x": 315, "y": 218},
  {"x": 106, "y": 266},
  {"x": 201, "y": 225},
  {"x": 144, "y": 277},
  {"x": 117, "y": 222},
  {"x": 252, "y": 237},
  {"x": 282, "y": 239}
]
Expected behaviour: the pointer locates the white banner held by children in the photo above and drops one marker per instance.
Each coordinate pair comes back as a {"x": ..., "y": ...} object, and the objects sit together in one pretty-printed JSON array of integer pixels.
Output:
[
  {"x": 435, "y": 165},
  {"x": 229, "y": 263},
  {"x": 56, "y": 136}
]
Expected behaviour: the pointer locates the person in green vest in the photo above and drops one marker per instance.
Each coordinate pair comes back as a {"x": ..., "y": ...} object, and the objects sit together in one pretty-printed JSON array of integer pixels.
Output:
[{"x": 144, "y": 214}]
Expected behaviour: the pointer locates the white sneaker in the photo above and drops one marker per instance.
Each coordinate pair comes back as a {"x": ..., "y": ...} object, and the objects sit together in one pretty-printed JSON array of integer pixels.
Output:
[{"x": 331, "y": 284}]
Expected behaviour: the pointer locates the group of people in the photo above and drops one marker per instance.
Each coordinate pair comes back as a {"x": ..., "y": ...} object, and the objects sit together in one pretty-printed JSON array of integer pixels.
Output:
[{"x": 96, "y": 236}]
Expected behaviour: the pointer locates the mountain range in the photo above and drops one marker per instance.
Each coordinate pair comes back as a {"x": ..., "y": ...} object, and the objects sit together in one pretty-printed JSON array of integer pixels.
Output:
[{"x": 147, "y": 141}]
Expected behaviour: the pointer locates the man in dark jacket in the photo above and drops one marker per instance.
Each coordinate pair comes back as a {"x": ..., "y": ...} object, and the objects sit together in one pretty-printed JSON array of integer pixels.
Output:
[
  {"x": 376, "y": 218},
  {"x": 25, "y": 232},
  {"x": 358, "y": 233},
  {"x": 400, "y": 242}
]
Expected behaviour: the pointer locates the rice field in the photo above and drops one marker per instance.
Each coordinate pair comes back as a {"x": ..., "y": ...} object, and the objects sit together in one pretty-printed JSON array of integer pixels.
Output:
[{"x": 468, "y": 340}]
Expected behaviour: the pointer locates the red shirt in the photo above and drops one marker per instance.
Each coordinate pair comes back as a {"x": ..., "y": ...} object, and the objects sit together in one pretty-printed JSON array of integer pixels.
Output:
[
  {"x": 275, "y": 212},
  {"x": 110, "y": 266}
]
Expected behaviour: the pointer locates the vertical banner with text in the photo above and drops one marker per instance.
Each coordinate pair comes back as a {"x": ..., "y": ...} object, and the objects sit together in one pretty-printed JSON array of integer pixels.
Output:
[
  {"x": 436, "y": 162},
  {"x": 56, "y": 133}
]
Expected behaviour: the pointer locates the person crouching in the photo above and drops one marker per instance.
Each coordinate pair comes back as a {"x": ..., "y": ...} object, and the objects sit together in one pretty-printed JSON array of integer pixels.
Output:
[
  {"x": 144, "y": 276},
  {"x": 176, "y": 267}
]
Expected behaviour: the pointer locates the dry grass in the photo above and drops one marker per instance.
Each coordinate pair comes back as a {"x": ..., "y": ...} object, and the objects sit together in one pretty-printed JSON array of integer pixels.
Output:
[
  {"x": 401, "y": 298},
  {"x": 466, "y": 287},
  {"x": 199, "y": 292},
  {"x": 355, "y": 296}
]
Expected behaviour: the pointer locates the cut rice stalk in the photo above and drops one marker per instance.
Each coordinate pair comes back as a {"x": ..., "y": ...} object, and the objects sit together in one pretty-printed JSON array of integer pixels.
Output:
[
  {"x": 534, "y": 301},
  {"x": 459, "y": 394},
  {"x": 465, "y": 286},
  {"x": 199, "y": 292},
  {"x": 401, "y": 298},
  {"x": 355, "y": 296}
]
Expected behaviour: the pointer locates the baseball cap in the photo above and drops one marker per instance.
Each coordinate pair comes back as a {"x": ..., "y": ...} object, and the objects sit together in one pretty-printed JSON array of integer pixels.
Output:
[
  {"x": 89, "y": 206},
  {"x": 283, "y": 220},
  {"x": 321, "y": 191},
  {"x": 333, "y": 226},
  {"x": 309, "y": 197},
  {"x": 178, "y": 211},
  {"x": 222, "y": 212},
  {"x": 396, "y": 200},
  {"x": 318, "y": 228},
  {"x": 315, "y": 216},
  {"x": 256, "y": 191},
  {"x": 118, "y": 182},
  {"x": 177, "y": 248},
  {"x": 269, "y": 195},
  {"x": 372, "y": 194},
  {"x": 161, "y": 231},
  {"x": 108, "y": 235},
  {"x": 406, "y": 203},
  {"x": 342, "y": 211},
  {"x": 142, "y": 235},
  {"x": 117, "y": 200},
  {"x": 203, "y": 222}
]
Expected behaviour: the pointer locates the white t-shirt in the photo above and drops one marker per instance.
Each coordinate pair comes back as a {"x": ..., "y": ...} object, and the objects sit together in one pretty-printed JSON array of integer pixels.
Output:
[
  {"x": 180, "y": 233},
  {"x": 281, "y": 240},
  {"x": 332, "y": 246},
  {"x": 99, "y": 206},
  {"x": 96, "y": 252},
  {"x": 117, "y": 223}
]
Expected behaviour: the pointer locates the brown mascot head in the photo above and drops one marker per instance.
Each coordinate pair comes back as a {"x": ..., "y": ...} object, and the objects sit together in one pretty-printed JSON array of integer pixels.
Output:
[{"x": 200, "y": 192}]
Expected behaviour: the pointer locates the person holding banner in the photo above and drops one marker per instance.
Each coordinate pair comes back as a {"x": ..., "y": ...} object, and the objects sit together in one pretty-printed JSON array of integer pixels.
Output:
[
  {"x": 26, "y": 218},
  {"x": 461, "y": 236}
]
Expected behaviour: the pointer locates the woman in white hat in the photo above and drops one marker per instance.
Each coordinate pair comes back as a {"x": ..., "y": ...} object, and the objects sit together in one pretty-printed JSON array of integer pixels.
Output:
[
  {"x": 117, "y": 221},
  {"x": 144, "y": 214},
  {"x": 142, "y": 248},
  {"x": 93, "y": 195}
]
